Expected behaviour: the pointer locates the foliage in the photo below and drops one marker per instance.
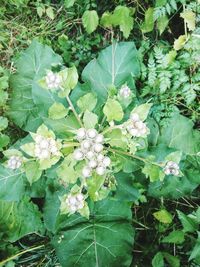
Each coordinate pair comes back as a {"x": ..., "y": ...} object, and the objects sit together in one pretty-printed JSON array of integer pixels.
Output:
[{"x": 99, "y": 168}]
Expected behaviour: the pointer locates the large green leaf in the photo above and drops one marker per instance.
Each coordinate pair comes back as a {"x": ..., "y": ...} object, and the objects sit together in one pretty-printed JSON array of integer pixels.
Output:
[
  {"x": 105, "y": 240},
  {"x": 18, "y": 219},
  {"x": 179, "y": 134},
  {"x": 113, "y": 66},
  {"x": 31, "y": 66},
  {"x": 12, "y": 184}
]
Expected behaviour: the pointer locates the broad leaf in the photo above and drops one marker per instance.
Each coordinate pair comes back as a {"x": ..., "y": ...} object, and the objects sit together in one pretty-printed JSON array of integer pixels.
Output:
[
  {"x": 19, "y": 219},
  {"x": 163, "y": 216},
  {"x": 148, "y": 23},
  {"x": 113, "y": 66},
  {"x": 188, "y": 223},
  {"x": 113, "y": 110},
  {"x": 89, "y": 243},
  {"x": 31, "y": 67},
  {"x": 175, "y": 237},
  {"x": 90, "y": 20},
  {"x": 158, "y": 260},
  {"x": 12, "y": 184}
]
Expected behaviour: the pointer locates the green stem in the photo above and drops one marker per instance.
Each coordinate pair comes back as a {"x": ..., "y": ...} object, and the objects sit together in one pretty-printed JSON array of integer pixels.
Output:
[
  {"x": 133, "y": 156},
  {"x": 19, "y": 254},
  {"x": 74, "y": 111}
]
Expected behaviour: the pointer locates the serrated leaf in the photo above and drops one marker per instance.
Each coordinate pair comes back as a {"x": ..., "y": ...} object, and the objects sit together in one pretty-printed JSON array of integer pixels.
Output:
[
  {"x": 69, "y": 3},
  {"x": 162, "y": 23},
  {"x": 175, "y": 237},
  {"x": 189, "y": 225},
  {"x": 180, "y": 42},
  {"x": 4, "y": 141},
  {"x": 142, "y": 110},
  {"x": 113, "y": 110},
  {"x": 87, "y": 102},
  {"x": 57, "y": 111},
  {"x": 172, "y": 260},
  {"x": 50, "y": 13},
  {"x": 90, "y": 119},
  {"x": 116, "y": 138},
  {"x": 189, "y": 18},
  {"x": 148, "y": 23},
  {"x": 122, "y": 17},
  {"x": 90, "y": 20},
  {"x": 196, "y": 250},
  {"x": 163, "y": 216}
]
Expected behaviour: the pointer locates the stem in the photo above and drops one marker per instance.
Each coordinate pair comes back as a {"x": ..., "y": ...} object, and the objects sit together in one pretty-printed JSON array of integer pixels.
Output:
[
  {"x": 74, "y": 111},
  {"x": 20, "y": 253},
  {"x": 185, "y": 24},
  {"x": 133, "y": 156}
]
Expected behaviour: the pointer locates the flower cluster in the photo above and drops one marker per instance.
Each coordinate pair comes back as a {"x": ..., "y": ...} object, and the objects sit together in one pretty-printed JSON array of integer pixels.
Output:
[
  {"x": 14, "y": 162},
  {"x": 91, "y": 150},
  {"x": 172, "y": 168},
  {"x": 53, "y": 80},
  {"x": 136, "y": 127},
  {"x": 125, "y": 91},
  {"x": 75, "y": 202},
  {"x": 45, "y": 147}
]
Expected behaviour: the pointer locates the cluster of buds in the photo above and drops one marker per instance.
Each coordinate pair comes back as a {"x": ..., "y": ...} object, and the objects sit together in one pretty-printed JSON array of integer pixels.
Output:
[
  {"x": 172, "y": 168},
  {"x": 14, "y": 162},
  {"x": 45, "y": 147},
  {"x": 136, "y": 127},
  {"x": 91, "y": 150},
  {"x": 53, "y": 80},
  {"x": 125, "y": 91},
  {"x": 75, "y": 202}
]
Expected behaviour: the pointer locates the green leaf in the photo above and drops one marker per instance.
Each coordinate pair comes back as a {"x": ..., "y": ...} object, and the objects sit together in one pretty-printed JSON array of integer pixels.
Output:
[
  {"x": 3, "y": 123},
  {"x": 163, "y": 216},
  {"x": 196, "y": 250},
  {"x": 172, "y": 260},
  {"x": 148, "y": 23},
  {"x": 31, "y": 67},
  {"x": 109, "y": 218},
  {"x": 162, "y": 24},
  {"x": 153, "y": 172},
  {"x": 180, "y": 42},
  {"x": 106, "y": 19},
  {"x": 179, "y": 134},
  {"x": 113, "y": 110},
  {"x": 142, "y": 110},
  {"x": 113, "y": 66},
  {"x": 57, "y": 111},
  {"x": 87, "y": 102},
  {"x": 12, "y": 185},
  {"x": 33, "y": 173},
  {"x": 189, "y": 224},
  {"x": 90, "y": 20},
  {"x": 90, "y": 119},
  {"x": 116, "y": 138},
  {"x": 67, "y": 172},
  {"x": 122, "y": 18},
  {"x": 4, "y": 141},
  {"x": 50, "y": 13},
  {"x": 189, "y": 18},
  {"x": 175, "y": 237},
  {"x": 69, "y": 3},
  {"x": 158, "y": 260},
  {"x": 19, "y": 219}
]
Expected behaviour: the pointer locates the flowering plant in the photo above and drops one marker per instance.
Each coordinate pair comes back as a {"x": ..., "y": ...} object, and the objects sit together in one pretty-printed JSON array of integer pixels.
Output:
[{"x": 89, "y": 148}]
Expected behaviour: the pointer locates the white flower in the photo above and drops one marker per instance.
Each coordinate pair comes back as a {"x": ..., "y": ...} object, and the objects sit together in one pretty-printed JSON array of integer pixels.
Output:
[
  {"x": 45, "y": 147},
  {"x": 53, "y": 80},
  {"x": 125, "y": 91},
  {"x": 81, "y": 134},
  {"x": 134, "y": 117},
  {"x": 92, "y": 164},
  {"x": 75, "y": 202},
  {"x": 78, "y": 154},
  {"x": 86, "y": 144},
  {"x": 99, "y": 138},
  {"x": 100, "y": 157},
  {"x": 91, "y": 133},
  {"x": 98, "y": 148},
  {"x": 14, "y": 162},
  {"x": 172, "y": 168},
  {"x": 106, "y": 161},
  {"x": 100, "y": 170},
  {"x": 90, "y": 155},
  {"x": 86, "y": 172}
]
